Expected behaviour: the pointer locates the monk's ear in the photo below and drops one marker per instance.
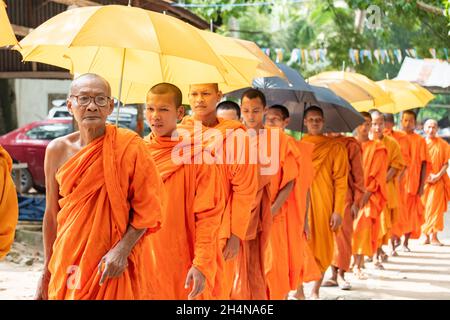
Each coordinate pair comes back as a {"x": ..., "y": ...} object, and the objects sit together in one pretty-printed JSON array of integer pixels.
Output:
[
  {"x": 219, "y": 95},
  {"x": 111, "y": 106},
  {"x": 69, "y": 106},
  {"x": 180, "y": 112},
  {"x": 286, "y": 122}
]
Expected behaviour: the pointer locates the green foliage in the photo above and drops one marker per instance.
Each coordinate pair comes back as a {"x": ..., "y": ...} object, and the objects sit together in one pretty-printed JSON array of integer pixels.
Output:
[{"x": 324, "y": 24}]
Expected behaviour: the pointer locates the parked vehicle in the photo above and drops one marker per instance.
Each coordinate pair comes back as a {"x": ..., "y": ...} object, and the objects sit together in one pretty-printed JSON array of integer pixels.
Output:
[{"x": 27, "y": 145}]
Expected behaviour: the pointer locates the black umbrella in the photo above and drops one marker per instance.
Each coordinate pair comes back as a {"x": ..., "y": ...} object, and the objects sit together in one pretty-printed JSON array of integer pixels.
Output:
[{"x": 297, "y": 95}]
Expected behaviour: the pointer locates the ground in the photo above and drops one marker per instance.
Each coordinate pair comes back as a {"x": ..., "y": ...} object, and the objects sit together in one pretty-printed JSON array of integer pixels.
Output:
[{"x": 421, "y": 274}]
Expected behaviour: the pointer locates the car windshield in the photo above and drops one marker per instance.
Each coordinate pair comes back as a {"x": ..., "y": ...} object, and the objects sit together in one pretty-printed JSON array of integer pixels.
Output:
[{"x": 49, "y": 131}]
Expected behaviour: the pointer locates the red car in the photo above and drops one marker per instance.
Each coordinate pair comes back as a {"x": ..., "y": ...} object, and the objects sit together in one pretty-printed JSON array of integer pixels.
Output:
[{"x": 27, "y": 145}]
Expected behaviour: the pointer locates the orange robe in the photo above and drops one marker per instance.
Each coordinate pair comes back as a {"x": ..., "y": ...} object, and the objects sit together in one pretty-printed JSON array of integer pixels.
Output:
[
  {"x": 367, "y": 225},
  {"x": 250, "y": 282},
  {"x": 9, "y": 210},
  {"x": 240, "y": 184},
  {"x": 189, "y": 233},
  {"x": 436, "y": 195},
  {"x": 278, "y": 257},
  {"x": 343, "y": 239},
  {"x": 328, "y": 192},
  {"x": 413, "y": 204},
  {"x": 389, "y": 215},
  {"x": 302, "y": 264},
  {"x": 400, "y": 221},
  {"x": 109, "y": 184}
]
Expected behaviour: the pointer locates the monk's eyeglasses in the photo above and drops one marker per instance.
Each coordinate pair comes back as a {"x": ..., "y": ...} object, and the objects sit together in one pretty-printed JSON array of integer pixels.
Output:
[{"x": 85, "y": 100}]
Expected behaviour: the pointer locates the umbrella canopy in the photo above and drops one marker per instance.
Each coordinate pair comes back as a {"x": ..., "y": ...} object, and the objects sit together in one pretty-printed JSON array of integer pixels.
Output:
[
  {"x": 7, "y": 37},
  {"x": 292, "y": 80},
  {"x": 297, "y": 95},
  {"x": 267, "y": 68},
  {"x": 135, "y": 49},
  {"x": 406, "y": 95},
  {"x": 363, "y": 93}
]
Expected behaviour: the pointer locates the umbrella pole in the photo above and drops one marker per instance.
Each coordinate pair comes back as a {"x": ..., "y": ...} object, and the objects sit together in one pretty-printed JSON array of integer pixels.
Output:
[
  {"x": 303, "y": 120},
  {"x": 120, "y": 85}
]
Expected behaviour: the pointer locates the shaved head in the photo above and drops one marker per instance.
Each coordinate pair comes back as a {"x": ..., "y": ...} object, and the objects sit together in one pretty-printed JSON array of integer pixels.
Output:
[
  {"x": 431, "y": 128},
  {"x": 378, "y": 124},
  {"x": 389, "y": 117},
  {"x": 430, "y": 121},
  {"x": 89, "y": 78}
]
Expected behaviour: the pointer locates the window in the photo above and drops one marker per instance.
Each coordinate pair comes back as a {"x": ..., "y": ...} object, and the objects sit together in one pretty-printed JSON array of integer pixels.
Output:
[{"x": 49, "y": 131}]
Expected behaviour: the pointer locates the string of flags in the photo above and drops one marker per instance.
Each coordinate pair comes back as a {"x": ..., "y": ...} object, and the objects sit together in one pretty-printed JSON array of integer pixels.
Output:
[{"x": 356, "y": 56}]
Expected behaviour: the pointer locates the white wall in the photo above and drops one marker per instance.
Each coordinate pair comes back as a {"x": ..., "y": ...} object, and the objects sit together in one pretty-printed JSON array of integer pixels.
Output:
[{"x": 32, "y": 97}]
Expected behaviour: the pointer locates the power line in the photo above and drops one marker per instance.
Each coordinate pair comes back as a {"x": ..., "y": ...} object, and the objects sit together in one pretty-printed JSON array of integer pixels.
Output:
[{"x": 220, "y": 5}]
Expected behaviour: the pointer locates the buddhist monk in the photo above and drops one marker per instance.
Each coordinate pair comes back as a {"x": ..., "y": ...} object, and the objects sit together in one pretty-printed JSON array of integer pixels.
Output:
[
  {"x": 328, "y": 191},
  {"x": 343, "y": 240},
  {"x": 103, "y": 203},
  {"x": 437, "y": 186},
  {"x": 290, "y": 263},
  {"x": 250, "y": 281},
  {"x": 415, "y": 178},
  {"x": 228, "y": 110},
  {"x": 399, "y": 223},
  {"x": 367, "y": 225},
  {"x": 239, "y": 178},
  {"x": 389, "y": 215},
  {"x": 186, "y": 246},
  {"x": 9, "y": 210}
]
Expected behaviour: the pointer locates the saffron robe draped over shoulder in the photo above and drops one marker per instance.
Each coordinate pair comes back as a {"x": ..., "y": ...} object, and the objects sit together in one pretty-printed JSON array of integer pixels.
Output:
[
  {"x": 436, "y": 195},
  {"x": 328, "y": 192},
  {"x": 400, "y": 221},
  {"x": 343, "y": 239},
  {"x": 9, "y": 209},
  {"x": 108, "y": 185},
  {"x": 240, "y": 183},
  {"x": 389, "y": 215},
  {"x": 189, "y": 233},
  {"x": 413, "y": 204},
  {"x": 367, "y": 225},
  {"x": 278, "y": 257},
  {"x": 250, "y": 282}
]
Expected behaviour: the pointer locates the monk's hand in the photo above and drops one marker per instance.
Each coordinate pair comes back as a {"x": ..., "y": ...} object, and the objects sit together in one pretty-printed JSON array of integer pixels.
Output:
[
  {"x": 354, "y": 211},
  {"x": 114, "y": 264},
  {"x": 231, "y": 248},
  {"x": 195, "y": 275},
  {"x": 432, "y": 178},
  {"x": 365, "y": 198},
  {"x": 42, "y": 288},
  {"x": 335, "y": 221}
]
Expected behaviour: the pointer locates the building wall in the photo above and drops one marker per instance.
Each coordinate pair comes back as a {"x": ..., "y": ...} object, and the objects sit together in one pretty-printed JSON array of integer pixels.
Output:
[{"x": 33, "y": 97}]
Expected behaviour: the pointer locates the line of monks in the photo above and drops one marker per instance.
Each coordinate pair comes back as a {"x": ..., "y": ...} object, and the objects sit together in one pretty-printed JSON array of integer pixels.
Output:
[{"x": 133, "y": 218}]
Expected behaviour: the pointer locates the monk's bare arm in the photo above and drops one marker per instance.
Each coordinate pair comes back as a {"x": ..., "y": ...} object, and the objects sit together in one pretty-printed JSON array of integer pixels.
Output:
[
  {"x": 116, "y": 260},
  {"x": 53, "y": 154},
  {"x": 423, "y": 173},
  {"x": 435, "y": 177},
  {"x": 306, "y": 227},
  {"x": 282, "y": 196},
  {"x": 391, "y": 174}
]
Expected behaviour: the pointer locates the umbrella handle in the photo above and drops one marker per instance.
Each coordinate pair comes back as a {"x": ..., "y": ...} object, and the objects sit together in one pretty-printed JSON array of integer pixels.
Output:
[
  {"x": 303, "y": 120},
  {"x": 120, "y": 85}
]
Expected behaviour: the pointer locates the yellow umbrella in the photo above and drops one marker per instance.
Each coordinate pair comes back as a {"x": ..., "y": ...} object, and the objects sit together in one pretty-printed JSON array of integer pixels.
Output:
[
  {"x": 267, "y": 68},
  {"x": 363, "y": 93},
  {"x": 7, "y": 37},
  {"x": 356, "y": 96},
  {"x": 405, "y": 94},
  {"x": 132, "y": 48}
]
